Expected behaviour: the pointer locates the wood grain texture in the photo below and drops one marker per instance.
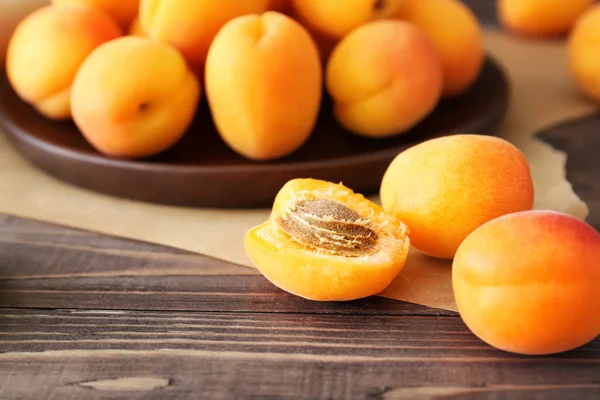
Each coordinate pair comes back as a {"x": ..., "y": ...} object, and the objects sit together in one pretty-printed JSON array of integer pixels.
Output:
[{"x": 74, "y": 354}]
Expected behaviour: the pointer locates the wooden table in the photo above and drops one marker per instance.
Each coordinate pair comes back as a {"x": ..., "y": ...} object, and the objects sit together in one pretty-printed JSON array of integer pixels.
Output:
[{"x": 86, "y": 316}]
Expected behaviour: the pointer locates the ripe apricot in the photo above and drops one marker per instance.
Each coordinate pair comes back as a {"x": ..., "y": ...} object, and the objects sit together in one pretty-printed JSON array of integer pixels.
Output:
[
  {"x": 457, "y": 36},
  {"x": 540, "y": 18},
  {"x": 123, "y": 11},
  {"x": 384, "y": 77},
  {"x": 264, "y": 85},
  {"x": 46, "y": 50},
  {"x": 528, "y": 282},
  {"x": 337, "y": 18},
  {"x": 445, "y": 188},
  {"x": 324, "y": 242},
  {"x": 139, "y": 110},
  {"x": 191, "y": 25},
  {"x": 584, "y": 53}
]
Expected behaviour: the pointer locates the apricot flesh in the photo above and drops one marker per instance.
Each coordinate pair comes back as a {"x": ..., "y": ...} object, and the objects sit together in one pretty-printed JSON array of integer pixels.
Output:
[
  {"x": 528, "y": 282},
  {"x": 355, "y": 265},
  {"x": 584, "y": 53},
  {"x": 384, "y": 77},
  {"x": 264, "y": 85},
  {"x": 140, "y": 110},
  {"x": 337, "y": 18},
  {"x": 540, "y": 18},
  {"x": 445, "y": 188},
  {"x": 46, "y": 50},
  {"x": 457, "y": 36},
  {"x": 191, "y": 25},
  {"x": 123, "y": 11}
]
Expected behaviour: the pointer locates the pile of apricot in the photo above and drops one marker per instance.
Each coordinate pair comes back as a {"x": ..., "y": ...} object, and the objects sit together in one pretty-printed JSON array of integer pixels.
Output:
[{"x": 132, "y": 74}]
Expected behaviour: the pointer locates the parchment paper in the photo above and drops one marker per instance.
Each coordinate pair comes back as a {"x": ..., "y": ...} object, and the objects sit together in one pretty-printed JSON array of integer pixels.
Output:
[{"x": 542, "y": 94}]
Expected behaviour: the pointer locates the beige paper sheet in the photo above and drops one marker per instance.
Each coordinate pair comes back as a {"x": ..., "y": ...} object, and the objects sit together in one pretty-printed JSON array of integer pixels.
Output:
[{"x": 540, "y": 98}]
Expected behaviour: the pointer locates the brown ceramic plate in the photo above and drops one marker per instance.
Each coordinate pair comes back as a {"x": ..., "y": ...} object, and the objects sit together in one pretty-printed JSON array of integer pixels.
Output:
[{"x": 201, "y": 171}]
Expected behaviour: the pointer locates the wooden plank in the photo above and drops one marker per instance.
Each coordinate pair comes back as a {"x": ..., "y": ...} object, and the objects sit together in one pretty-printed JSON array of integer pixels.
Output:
[
  {"x": 75, "y": 354},
  {"x": 48, "y": 266}
]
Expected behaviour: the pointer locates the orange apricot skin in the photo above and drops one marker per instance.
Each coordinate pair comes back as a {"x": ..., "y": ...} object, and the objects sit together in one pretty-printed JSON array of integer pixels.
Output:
[
  {"x": 384, "y": 78},
  {"x": 282, "y": 6},
  {"x": 457, "y": 36},
  {"x": 138, "y": 111},
  {"x": 337, "y": 18},
  {"x": 264, "y": 85},
  {"x": 123, "y": 11},
  {"x": 136, "y": 29},
  {"x": 528, "y": 282},
  {"x": 320, "y": 277},
  {"x": 584, "y": 53},
  {"x": 46, "y": 50},
  {"x": 540, "y": 18},
  {"x": 445, "y": 188},
  {"x": 191, "y": 25}
]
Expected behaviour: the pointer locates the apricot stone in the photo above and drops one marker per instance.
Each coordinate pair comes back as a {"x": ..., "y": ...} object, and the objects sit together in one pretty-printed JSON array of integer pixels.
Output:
[
  {"x": 324, "y": 242},
  {"x": 445, "y": 188},
  {"x": 46, "y": 50},
  {"x": 140, "y": 110},
  {"x": 123, "y": 11},
  {"x": 191, "y": 25},
  {"x": 541, "y": 18},
  {"x": 457, "y": 36},
  {"x": 337, "y": 18},
  {"x": 584, "y": 53},
  {"x": 528, "y": 282},
  {"x": 384, "y": 77},
  {"x": 264, "y": 85}
]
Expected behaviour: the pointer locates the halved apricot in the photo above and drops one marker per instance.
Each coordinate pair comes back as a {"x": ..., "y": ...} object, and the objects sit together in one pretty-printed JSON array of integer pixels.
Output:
[{"x": 324, "y": 242}]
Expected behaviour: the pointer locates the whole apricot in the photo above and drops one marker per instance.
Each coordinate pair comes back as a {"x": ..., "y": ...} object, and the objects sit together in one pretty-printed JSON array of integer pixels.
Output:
[
  {"x": 457, "y": 36},
  {"x": 337, "y": 18},
  {"x": 191, "y": 25},
  {"x": 529, "y": 282},
  {"x": 445, "y": 188},
  {"x": 584, "y": 53},
  {"x": 264, "y": 85},
  {"x": 324, "y": 242},
  {"x": 540, "y": 18},
  {"x": 384, "y": 77},
  {"x": 123, "y": 11},
  {"x": 138, "y": 110},
  {"x": 46, "y": 50}
]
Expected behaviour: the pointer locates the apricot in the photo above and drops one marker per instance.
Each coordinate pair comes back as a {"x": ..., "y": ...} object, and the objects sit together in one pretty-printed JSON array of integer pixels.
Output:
[
  {"x": 540, "y": 18},
  {"x": 136, "y": 29},
  {"x": 457, "y": 36},
  {"x": 46, "y": 50},
  {"x": 337, "y": 18},
  {"x": 191, "y": 25},
  {"x": 584, "y": 53},
  {"x": 123, "y": 11},
  {"x": 384, "y": 77},
  {"x": 139, "y": 110},
  {"x": 324, "y": 242},
  {"x": 528, "y": 282},
  {"x": 447, "y": 187},
  {"x": 264, "y": 85}
]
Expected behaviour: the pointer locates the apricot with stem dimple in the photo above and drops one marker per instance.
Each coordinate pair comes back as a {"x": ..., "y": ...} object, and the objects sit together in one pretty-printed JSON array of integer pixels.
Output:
[{"x": 324, "y": 242}]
